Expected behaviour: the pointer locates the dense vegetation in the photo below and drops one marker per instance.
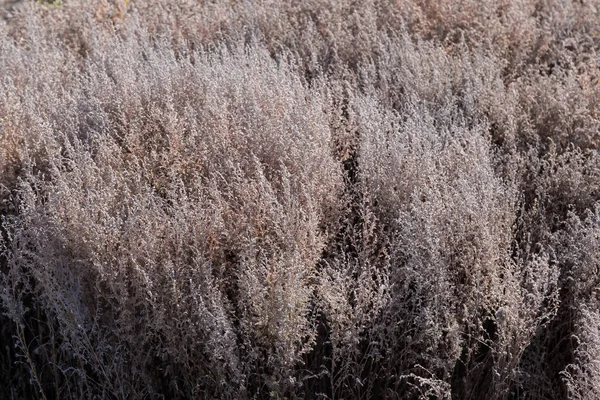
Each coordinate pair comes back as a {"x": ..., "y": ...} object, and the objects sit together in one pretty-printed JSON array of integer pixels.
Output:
[{"x": 310, "y": 199}]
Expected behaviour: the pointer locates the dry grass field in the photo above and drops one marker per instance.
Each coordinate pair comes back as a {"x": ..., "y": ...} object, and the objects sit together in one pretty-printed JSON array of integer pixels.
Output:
[{"x": 285, "y": 199}]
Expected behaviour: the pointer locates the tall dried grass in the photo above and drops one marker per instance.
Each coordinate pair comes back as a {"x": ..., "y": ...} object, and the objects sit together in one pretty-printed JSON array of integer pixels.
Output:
[{"x": 319, "y": 199}]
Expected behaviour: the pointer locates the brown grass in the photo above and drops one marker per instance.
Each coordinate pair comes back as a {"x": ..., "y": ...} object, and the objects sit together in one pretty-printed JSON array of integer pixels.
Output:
[{"x": 317, "y": 199}]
